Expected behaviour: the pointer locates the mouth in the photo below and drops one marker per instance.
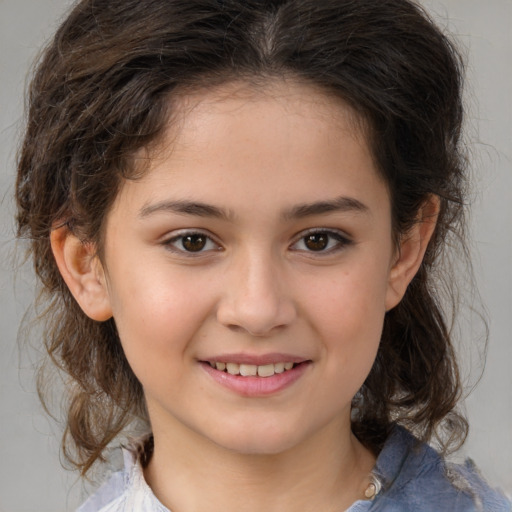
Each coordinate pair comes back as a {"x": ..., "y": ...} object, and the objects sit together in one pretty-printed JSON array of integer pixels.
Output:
[
  {"x": 256, "y": 376},
  {"x": 252, "y": 370}
]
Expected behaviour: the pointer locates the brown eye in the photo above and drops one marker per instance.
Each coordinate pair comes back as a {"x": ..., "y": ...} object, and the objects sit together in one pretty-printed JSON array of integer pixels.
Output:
[
  {"x": 316, "y": 241},
  {"x": 194, "y": 243},
  {"x": 191, "y": 243},
  {"x": 322, "y": 242}
]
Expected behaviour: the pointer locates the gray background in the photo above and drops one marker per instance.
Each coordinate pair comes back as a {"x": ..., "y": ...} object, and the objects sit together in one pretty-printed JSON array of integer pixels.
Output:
[{"x": 31, "y": 477}]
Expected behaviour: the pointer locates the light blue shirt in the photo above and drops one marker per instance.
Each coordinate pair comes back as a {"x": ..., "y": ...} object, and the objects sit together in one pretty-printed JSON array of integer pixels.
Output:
[{"x": 413, "y": 478}]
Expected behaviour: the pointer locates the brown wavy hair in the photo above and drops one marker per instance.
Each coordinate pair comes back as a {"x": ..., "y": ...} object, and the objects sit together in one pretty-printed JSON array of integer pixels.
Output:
[{"x": 103, "y": 90}]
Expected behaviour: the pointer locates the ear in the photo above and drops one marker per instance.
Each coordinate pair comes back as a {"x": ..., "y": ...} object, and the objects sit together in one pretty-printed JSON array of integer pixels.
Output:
[
  {"x": 411, "y": 251},
  {"x": 82, "y": 272}
]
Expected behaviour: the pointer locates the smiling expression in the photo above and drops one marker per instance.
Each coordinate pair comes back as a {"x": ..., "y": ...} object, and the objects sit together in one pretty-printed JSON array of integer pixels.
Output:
[{"x": 248, "y": 270}]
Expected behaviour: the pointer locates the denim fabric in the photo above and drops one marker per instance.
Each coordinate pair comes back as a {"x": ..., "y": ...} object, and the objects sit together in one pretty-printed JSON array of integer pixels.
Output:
[{"x": 413, "y": 476}]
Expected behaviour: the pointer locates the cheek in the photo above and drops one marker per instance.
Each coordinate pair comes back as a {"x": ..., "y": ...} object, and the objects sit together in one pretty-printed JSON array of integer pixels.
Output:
[
  {"x": 355, "y": 297},
  {"x": 347, "y": 312},
  {"x": 157, "y": 314},
  {"x": 352, "y": 338}
]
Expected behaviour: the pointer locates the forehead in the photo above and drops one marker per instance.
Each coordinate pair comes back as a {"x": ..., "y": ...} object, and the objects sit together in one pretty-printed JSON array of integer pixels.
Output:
[
  {"x": 299, "y": 101},
  {"x": 285, "y": 139}
]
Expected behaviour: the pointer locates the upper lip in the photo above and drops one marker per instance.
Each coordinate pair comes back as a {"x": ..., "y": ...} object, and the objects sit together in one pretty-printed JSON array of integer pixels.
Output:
[{"x": 254, "y": 359}]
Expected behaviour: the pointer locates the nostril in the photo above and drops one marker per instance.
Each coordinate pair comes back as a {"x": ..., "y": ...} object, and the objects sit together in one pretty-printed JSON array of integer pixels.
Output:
[
  {"x": 235, "y": 328},
  {"x": 255, "y": 332}
]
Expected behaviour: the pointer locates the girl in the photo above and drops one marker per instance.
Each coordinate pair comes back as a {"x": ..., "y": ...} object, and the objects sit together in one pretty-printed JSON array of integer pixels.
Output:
[{"x": 236, "y": 210}]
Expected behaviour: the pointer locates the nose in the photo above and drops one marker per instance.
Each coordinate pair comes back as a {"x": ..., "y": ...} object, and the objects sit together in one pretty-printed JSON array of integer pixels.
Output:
[{"x": 256, "y": 299}]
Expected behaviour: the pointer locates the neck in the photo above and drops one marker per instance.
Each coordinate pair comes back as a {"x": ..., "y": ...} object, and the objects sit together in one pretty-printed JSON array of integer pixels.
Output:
[{"x": 328, "y": 472}]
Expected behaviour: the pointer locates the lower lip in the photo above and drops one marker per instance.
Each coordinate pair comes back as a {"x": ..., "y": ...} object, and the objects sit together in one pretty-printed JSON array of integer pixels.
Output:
[{"x": 257, "y": 386}]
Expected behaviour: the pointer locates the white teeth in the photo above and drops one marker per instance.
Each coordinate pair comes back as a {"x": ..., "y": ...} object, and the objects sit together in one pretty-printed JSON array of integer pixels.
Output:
[
  {"x": 279, "y": 367},
  {"x": 248, "y": 370},
  {"x": 251, "y": 370},
  {"x": 233, "y": 368},
  {"x": 267, "y": 370}
]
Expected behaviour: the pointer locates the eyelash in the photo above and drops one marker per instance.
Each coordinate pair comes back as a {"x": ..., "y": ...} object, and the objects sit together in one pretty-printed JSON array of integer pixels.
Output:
[
  {"x": 340, "y": 240},
  {"x": 171, "y": 243},
  {"x": 333, "y": 236}
]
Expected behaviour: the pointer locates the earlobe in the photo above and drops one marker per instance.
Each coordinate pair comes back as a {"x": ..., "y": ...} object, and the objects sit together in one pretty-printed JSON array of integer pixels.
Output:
[
  {"x": 82, "y": 272},
  {"x": 411, "y": 251}
]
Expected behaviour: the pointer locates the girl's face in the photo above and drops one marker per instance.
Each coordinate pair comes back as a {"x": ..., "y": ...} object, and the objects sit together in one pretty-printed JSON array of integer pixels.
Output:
[{"x": 259, "y": 242}]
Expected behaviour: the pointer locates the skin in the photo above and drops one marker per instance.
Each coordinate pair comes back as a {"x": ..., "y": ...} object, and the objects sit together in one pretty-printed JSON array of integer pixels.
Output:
[{"x": 262, "y": 160}]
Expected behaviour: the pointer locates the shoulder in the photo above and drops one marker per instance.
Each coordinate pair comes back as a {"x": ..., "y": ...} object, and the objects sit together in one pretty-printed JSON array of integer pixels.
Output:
[
  {"x": 466, "y": 477},
  {"x": 415, "y": 477},
  {"x": 108, "y": 495},
  {"x": 124, "y": 491}
]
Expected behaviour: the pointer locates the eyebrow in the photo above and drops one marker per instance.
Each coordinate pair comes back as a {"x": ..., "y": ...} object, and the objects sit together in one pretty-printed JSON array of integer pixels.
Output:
[
  {"x": 198, "y": 209},
  {"x": 338, "y": 204}
]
